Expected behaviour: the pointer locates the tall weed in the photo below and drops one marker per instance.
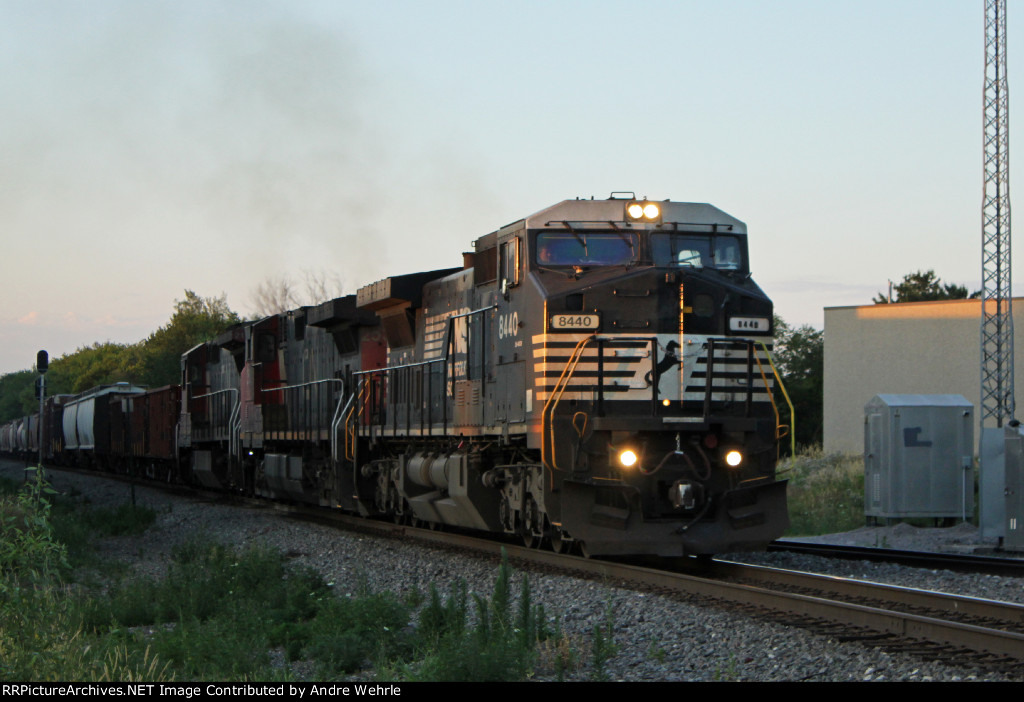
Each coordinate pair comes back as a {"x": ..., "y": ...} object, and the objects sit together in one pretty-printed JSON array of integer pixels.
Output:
[
  {"x": 29, "y": 552},
  {"x": 40, "y": 633},
  {"x": 499, "y": 644},
  {"x": 825, "y": 492}
]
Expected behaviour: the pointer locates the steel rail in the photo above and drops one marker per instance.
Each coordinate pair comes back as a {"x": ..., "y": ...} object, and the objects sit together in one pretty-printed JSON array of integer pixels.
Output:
[
  {"x": 970, "y": 563},
  {"x": 1003, "y": 645},
  {"x": 893, "y": 595}
]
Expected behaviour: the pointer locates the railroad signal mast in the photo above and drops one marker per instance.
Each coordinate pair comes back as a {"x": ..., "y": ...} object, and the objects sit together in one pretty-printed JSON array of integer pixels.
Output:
[{"x": 42, "y": 365}]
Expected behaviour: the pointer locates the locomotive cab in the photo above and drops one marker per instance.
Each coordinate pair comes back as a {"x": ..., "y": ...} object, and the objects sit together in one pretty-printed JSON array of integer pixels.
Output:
[{"x": 647, "y": 385}]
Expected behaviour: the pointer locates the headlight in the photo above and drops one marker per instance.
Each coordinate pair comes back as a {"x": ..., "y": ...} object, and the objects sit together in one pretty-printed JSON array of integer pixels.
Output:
[
  {"x": 627, "y": 458},
  {"x": 733, "y": 458},
  {"x": 643, "y": 211}
]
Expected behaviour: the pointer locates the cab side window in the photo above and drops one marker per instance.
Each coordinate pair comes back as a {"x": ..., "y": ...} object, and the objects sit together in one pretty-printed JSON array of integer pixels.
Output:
[{"x": 509, "y": 263}]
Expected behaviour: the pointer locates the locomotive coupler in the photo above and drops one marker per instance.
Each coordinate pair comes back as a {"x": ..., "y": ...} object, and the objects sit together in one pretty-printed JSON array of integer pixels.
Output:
[{"x": 683, "y": 495}]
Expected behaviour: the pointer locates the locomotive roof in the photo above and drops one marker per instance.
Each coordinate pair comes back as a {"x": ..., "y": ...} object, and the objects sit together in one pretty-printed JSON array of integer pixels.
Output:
[{"x": 601, "y": 212}]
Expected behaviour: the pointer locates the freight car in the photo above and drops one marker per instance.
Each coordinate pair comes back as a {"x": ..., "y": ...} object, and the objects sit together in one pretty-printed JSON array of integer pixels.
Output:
[
  {"x": 595, "y": 375},
  {"x": 90, "y": 421}
]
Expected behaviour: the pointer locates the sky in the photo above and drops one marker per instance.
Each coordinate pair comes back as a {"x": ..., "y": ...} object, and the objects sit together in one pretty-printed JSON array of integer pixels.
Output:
[{"x": 151, "y": 147}]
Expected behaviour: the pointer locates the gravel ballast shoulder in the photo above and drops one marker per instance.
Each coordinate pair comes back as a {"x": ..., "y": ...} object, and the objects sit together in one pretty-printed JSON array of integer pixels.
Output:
[{"x": 656, "y": 638}]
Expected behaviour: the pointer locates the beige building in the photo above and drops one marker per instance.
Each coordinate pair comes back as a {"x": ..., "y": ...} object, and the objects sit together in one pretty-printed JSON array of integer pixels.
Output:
[{"x": 928, "y": 348}]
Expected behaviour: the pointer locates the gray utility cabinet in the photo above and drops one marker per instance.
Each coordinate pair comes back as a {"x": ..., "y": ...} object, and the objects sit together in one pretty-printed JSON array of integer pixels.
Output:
[
  {"x": 918, "y": 457},
  {"x": 1014, "y": 488}
]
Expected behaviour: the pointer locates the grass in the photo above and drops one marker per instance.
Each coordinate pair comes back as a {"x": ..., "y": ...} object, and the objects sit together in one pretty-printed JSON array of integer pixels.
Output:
[
  {"x": 825, "y": 492},
  {"x": 221, "y": 614},
  {"x": 78, "y": 525}
]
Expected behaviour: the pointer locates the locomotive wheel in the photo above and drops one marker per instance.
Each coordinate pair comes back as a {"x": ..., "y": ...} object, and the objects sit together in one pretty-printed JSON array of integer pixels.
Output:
[{"x": 560, "y": 543}]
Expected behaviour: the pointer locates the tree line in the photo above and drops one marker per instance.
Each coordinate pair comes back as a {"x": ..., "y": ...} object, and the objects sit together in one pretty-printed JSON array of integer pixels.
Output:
[{"x": 155, "y": 361}]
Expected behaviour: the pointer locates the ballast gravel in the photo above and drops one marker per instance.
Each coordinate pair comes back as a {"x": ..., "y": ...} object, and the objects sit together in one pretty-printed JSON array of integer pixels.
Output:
[{"x": 655, "y": 638}]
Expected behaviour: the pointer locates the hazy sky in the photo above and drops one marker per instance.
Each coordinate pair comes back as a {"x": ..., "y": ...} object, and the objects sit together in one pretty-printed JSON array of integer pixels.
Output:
[{"x": 151, "y": 147}]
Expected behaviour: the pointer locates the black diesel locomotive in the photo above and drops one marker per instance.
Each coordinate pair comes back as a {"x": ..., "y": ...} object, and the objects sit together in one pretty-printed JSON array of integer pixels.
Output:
[{"x": 596, "y": 375}]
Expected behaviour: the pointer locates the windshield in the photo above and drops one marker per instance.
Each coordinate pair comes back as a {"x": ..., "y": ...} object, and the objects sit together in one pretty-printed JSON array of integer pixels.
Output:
[
  {"x": 586, "y": 248},
  {"x": 695, "y": 251}
]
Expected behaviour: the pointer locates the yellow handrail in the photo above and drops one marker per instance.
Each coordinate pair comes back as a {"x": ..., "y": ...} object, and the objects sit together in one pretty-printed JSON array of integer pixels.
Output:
[
  {"x": 349, "y": 425},
  {"x": 555, "y": 397},
  {"x": 779, "y": 426},
  {"x": 782, "y": 386}
]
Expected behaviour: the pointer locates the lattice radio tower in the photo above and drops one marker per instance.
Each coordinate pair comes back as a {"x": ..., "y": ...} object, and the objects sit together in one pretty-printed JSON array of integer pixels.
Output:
[{"x": 997, "y": 404}]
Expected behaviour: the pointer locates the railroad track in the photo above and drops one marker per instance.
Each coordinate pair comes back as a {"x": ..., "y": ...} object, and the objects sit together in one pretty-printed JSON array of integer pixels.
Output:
[
  {"x": 934, "y": 626},
  {"x": 963, "y": 563},
  {"x": 931, "y": 625}
]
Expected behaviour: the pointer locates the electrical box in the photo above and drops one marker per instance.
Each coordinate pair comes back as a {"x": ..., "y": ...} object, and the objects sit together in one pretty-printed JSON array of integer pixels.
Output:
[
  {"x": 918, "y": 457},
  {"x": 1014, "y": 489}
]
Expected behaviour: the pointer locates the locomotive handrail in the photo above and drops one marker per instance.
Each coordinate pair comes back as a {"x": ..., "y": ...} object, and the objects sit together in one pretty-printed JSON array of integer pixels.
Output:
[
  {"x": 710, "y": 373},
  {"x": 563, "y": 382},
  {"x": 337, "y": 408},
  {"x": 402, "y": 372},
  {"x": 302, "y": 385},
  {"x": 357, "y": 411},
  {"x": 751, "y": 359},
  {"x": 675, "y": 225},
  {"x": 771, "y": 398},
  {"x": 389, "y": 371},
  {"x": 339, "y": 421},
  {"x": 234, "y": 420},
  {"x": 450, "y": 339},
  {"x": 782, "y": 386},
  {"x": 216, "y": 392},
  {"x": 472, "y": 312},
  {"x": 556, "y": 396},
  {"x": 310, "y": 420}
]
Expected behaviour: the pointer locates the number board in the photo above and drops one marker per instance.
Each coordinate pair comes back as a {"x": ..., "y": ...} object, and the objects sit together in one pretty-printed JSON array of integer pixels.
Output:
[
  {"x": 749, "y": 324},
  {"x": 576, "y": 321}
]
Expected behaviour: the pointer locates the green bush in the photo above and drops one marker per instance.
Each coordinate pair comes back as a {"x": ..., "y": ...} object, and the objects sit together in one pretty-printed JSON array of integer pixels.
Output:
[
  {"x": 29, "y": 552},
  {"x": 825, "y": 492},
  {"x": 350, "y": 632},
  {"x": 41, "y": 637},
  {"x": 206, "y": 580}
]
